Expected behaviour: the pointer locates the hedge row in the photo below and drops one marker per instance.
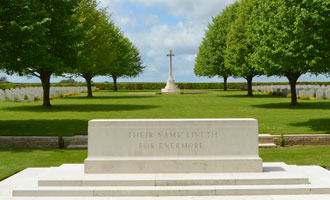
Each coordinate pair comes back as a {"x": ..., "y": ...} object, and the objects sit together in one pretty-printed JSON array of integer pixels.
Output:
[
  {"x": 158, "y": 86},
  {"x": 154, "y": 86},
  {"x": 22, "y": 85}
]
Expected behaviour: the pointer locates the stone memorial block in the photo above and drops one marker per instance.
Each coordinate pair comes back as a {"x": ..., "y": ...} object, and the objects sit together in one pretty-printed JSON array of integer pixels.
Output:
[
  {"x": 173, "y": 146},
  {"x": 138, "y": 149}
]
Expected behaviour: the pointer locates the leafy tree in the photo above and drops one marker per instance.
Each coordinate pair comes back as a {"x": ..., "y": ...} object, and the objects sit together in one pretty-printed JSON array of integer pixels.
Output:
[
  {"x": 37, "y": 38},
  {"x": 210, "y": 60},
  {"x": 96, "y": 47},
  {"x": 241, "y": 45},
  {"x": 127, "y": 61},
  {"x": 294, "y": 38}
]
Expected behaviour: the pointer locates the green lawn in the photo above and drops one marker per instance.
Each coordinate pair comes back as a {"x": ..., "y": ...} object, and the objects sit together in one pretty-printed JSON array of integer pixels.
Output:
[
  {"x": 69, "y": 116},
  {"x": 13, "y": 160},
  {"x": 16, "y": 159}
]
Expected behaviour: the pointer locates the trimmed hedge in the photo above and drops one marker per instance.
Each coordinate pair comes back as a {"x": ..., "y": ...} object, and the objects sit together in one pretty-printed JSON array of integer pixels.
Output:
[
  {"x": 22, "y": 85},
  {"x": 154, "y": 86}
]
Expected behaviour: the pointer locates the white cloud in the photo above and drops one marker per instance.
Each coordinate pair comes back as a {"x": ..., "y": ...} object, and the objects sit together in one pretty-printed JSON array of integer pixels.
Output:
[
  {"x": 154, "y": 36},
  {"x": 149, "y": 19},
  {"x": 199, "y": 10},
  {"x": 183, "y": 38},
  {"x": 125, "y": 22}
]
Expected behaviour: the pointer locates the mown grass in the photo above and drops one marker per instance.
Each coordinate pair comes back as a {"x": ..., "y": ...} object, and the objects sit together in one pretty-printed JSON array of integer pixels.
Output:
[
  {"x": 298, "y": 155},
  {"x": 69, "y": 116},
  {"x": 13, "y": 160}
]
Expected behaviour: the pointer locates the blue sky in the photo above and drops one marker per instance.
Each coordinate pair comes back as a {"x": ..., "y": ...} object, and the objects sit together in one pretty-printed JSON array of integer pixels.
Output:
[{"x": 155, "y": 27}]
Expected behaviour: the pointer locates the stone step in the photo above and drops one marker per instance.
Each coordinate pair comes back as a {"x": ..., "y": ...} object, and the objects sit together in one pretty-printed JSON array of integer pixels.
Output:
[
  {"x": 177, "y": 180},
  {"x": 25, "y": 186},
  {"x": 170, "y": 191},
  {"x": 73, "y": 175},
  {"x": 236, "y": 197},
  {"x": 265, "y": 139}
]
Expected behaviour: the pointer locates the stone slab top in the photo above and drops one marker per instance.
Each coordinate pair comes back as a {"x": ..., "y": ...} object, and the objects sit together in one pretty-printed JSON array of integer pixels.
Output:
[{"x": 181, "y": 122}]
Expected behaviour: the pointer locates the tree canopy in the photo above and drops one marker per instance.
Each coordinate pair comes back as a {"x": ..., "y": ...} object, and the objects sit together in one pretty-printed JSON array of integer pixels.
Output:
[
  {"x": 294, "y": 38},
  {"x": 104, "y": 50},
  {"x": 127, "y": 62},
  {"x": 241, "y": 45},
  {"x": 45, "y": 38},
  {"x": 37, "y": 38},
  {"x": 210, "y": 60},
  {"x": 276, "y": 37},
  {"x": 96, "y": 48}
]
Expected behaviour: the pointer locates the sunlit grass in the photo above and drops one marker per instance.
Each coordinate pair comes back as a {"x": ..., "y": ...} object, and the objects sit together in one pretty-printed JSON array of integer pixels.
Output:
[{"x": 69, "y": 116}]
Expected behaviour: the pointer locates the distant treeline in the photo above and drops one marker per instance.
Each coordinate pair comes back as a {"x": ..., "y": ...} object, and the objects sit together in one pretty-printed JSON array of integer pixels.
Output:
[{"x": 154, "y": 86}]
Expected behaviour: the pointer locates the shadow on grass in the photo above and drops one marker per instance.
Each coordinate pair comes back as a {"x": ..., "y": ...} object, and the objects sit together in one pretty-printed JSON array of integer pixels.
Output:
[
  {"x": 111, "y": 97},
  {"x": 81, "y": 108},
  {"x": 63, "y": 127},
  {"x": 30, "y": 149},
  {"x": 315, "y": 124},
  {"x": 257, "y": 96},
  {"x": 197, "y": 92},
  {"x": 301, "y": 106}
]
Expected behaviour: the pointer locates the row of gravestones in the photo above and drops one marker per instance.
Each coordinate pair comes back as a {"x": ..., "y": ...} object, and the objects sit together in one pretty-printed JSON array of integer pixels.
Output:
[
  {"x": 32, "y": 94},
  {"x": 316, "y": 91}
]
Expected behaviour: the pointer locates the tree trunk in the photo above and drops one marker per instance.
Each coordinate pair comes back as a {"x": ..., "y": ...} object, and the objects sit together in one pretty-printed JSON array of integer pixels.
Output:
[
  {"x": 115, "y": 89},
  {"x": 293, "y": 77},
  {"x": 88, "y": 77},
  {"x": 249, "y": 82},
  {"x": 225, "y": 83},
  {"x": 89, "y": 87},
  {"x": 45, "y": 81}
]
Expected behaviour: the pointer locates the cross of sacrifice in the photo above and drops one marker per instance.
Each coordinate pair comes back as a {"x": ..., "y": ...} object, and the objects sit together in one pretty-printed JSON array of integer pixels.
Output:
[{"x": 170, "y": 55}]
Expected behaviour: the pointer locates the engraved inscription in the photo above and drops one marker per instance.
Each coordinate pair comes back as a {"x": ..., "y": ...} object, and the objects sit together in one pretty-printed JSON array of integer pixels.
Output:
[{"x": 172, "y": 140}]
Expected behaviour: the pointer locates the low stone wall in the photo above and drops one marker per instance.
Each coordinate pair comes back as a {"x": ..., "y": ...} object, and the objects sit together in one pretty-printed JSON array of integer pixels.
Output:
[
  {"x": 81, "y": 140},
  {"x": 293, "y": 140},
  {"x": 29, "y": 141}
]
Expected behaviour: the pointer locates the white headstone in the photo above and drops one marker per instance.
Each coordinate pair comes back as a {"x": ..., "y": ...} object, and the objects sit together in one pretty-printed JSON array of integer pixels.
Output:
[
  {"x": 327, "y": 94},
  {"x": 2, "y": 96},
  {"x": 301, "y": 92},
  {"x": 311, "y": 92},
  {"x": 10, "y": 95},
  {"x": 19, "y": 96},
  {"x": 320, "y": 93}
]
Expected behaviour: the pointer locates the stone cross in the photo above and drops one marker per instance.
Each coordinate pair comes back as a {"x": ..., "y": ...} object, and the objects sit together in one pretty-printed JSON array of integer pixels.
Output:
[{"x": 170, "y": 55}]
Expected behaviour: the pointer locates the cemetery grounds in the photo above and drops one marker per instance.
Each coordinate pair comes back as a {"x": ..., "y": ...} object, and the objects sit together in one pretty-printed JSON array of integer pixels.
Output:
[{"x": 69, "y": 116}]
